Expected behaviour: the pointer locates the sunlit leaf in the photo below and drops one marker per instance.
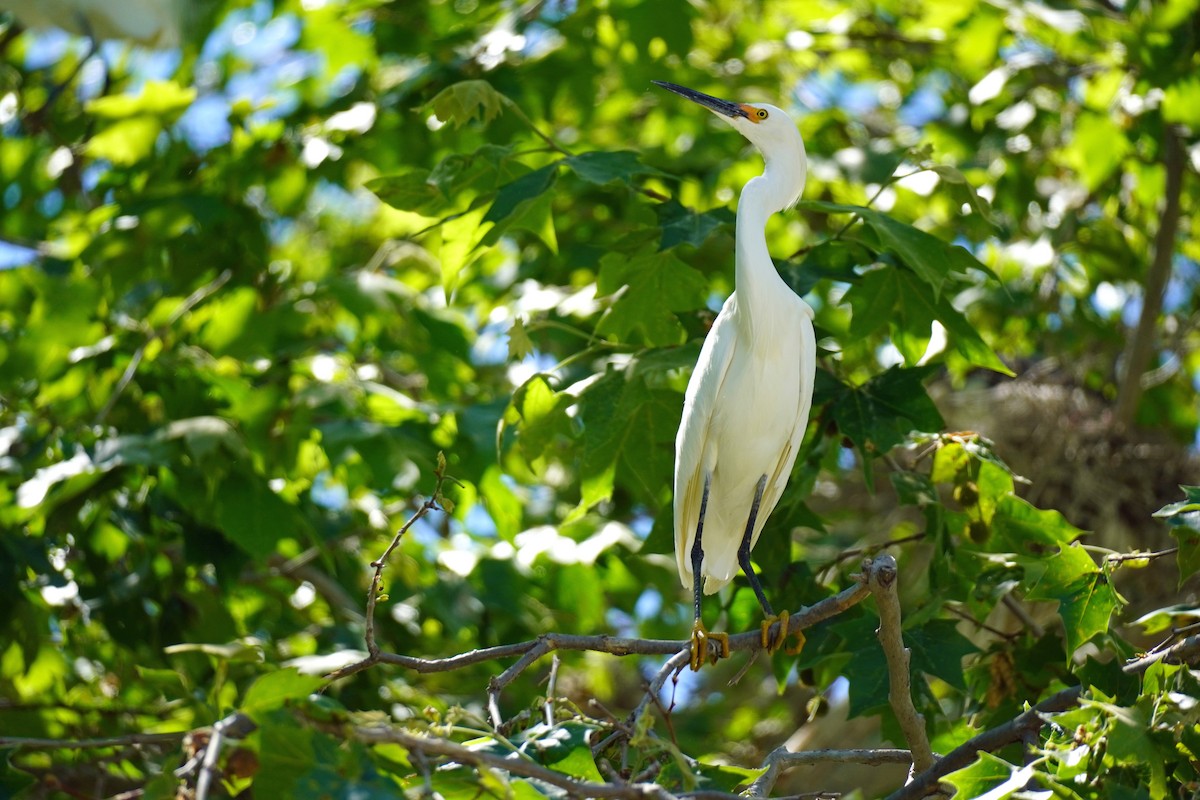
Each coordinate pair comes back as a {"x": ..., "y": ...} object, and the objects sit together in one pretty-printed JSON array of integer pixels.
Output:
[
  {"x": 467, "y": 100},
  {"x": 989, "y": 777},
  {"x": 156, "y": 98}
]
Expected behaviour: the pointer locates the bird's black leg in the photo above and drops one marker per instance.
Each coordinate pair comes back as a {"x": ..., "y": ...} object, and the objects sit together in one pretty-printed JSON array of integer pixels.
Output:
[
  {"x": 743, "y": 553},
  {"x": 768, "y": 642},
  {"x": 700, "y": 634}
]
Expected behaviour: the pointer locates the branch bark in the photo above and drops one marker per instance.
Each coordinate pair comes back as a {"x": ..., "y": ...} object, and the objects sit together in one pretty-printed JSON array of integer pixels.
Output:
[
  {"x": 1145, "y": 337},
  {"x": 912, "y": 723},
  {"x": 782, "y": 758}
]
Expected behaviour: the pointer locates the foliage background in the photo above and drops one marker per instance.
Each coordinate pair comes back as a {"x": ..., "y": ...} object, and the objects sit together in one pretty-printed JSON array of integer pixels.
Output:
[{"x": 253, "y": 285}]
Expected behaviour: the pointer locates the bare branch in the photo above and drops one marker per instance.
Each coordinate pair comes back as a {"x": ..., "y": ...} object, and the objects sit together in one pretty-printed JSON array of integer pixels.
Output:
[
  {"x": 133, "y": 740},
  {"x": 927, "y": 782},
  {"x": 883, "y": 586},
  {"x": 514, "y": 765},
  {"x": 1142, "y": 345},
  {"x": 530, "y": 651},
  {"x": 781, "y": 758}
]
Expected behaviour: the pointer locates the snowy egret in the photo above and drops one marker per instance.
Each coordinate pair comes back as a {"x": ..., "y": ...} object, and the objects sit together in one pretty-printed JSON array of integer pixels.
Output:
[{"x": 748, "y": 400}]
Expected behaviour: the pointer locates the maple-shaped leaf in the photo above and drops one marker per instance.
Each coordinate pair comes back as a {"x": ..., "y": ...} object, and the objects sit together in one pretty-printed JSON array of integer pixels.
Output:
[{"x": 464, "y": 101}]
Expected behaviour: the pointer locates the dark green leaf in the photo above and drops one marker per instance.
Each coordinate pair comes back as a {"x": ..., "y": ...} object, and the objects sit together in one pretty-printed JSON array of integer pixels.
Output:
[
  {"x": 938, "y": 649},
  {"x": 656, "y": 285},
  {"x": 881, "y": 413},
  {"x": 683, "y": 226},
  {"x": 523, "y": 189},
  {"x": 601, "y": 167}
]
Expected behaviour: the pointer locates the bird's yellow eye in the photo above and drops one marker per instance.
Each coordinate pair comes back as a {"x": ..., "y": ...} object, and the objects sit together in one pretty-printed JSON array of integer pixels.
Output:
[{"x": 760, "y": 113}]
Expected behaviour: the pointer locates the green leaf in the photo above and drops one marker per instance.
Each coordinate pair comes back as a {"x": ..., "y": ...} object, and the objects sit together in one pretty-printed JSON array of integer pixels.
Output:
[
  {"x": 254, "y": 517},
  {"x": 519, "y": 343},
  {"x": 157, "y": 98},
  {"x": 1130, "y": 741},
  {"x": 1188, "y": 557},
  {"x": 626, "y": 425},
  {"x": 522, "y": 190},
  {"x": 938, "y": 649},
  {"x": 681, "y": 225},
  {"x": 930, "y": 258},
  {"x": 655, "y": 285},
  {"x": 601, "y": 167},
  {"x": 1181, "y": 102},
  {"x": 1086, "y": 598},
  {"x": 464, "y": 101},
  {"x": 982, "y": 207},
  {"x": 989, "y": 776},
  {"x": 1185, "y": 512},
  {"x": 127, "y": 142},
  {"x": 1017, "y": 524},
  {"x": 1097, "y": 149},
  {"x": 273, "y": 690},
  {"x": 909, "y": 307},
  {"x": 866, "y": 671},
  {"x": 564, "y": 747},
  {"x": 411, "y": 190},
  {"x": 539, "y": 414},
  {"x": 881, "y": 413}
]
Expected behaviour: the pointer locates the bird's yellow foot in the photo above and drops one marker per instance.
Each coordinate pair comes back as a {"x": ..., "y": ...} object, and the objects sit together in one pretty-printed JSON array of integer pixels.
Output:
[
  {"x": 772, "y": 644},
  {"x": 700, "y": 650}
]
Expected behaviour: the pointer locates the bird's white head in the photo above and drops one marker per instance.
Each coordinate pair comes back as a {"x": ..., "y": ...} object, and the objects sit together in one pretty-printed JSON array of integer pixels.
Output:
[{"x": 769, "y": 129}]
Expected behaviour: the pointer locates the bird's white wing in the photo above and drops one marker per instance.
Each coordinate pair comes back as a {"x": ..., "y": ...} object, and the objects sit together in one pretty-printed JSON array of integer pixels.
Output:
[
  {"x": 694, "y": 454},
  {"x": 777, "y": 478}
]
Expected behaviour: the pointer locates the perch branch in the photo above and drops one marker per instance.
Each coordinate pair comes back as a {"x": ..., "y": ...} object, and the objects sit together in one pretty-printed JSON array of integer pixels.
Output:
[{"x": 912, "y": 723}]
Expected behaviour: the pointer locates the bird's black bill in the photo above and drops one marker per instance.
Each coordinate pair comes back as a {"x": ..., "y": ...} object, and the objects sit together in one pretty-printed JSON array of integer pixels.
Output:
[{"x": 722, "y": 107}]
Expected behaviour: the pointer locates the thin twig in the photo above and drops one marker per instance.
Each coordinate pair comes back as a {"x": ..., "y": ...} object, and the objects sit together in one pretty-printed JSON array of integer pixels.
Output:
[
  {"x": 1018, "y": 610},
  {"x": 432, "y": 504},
  {"x": 1120, "y": 558},
  {"x": 235, "y": 726},
  {"x": 912, "y": 723},
  {"x": 551, "y": 688}
]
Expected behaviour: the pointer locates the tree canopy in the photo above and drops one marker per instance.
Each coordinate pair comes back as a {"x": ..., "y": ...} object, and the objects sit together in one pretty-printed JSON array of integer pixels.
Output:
[{"x": 343, "y": 347}]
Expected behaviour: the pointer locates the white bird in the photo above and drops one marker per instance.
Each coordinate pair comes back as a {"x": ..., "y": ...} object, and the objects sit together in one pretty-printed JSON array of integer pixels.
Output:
[{"x": 748, "y": 400}]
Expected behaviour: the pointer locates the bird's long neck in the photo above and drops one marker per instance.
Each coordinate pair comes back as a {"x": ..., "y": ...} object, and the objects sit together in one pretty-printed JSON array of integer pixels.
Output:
[{"x": 758, "y": 283}]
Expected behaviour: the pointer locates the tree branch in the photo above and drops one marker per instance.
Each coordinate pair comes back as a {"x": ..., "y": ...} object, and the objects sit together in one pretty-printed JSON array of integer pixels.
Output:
[
  {"x": 1142, "y": 346},
  {"x": 514, "y": 765},
  {"x": 1029, "y": 723},
  {"x": 781, "y": 758},
  {"x": 912, "y": 723}
]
